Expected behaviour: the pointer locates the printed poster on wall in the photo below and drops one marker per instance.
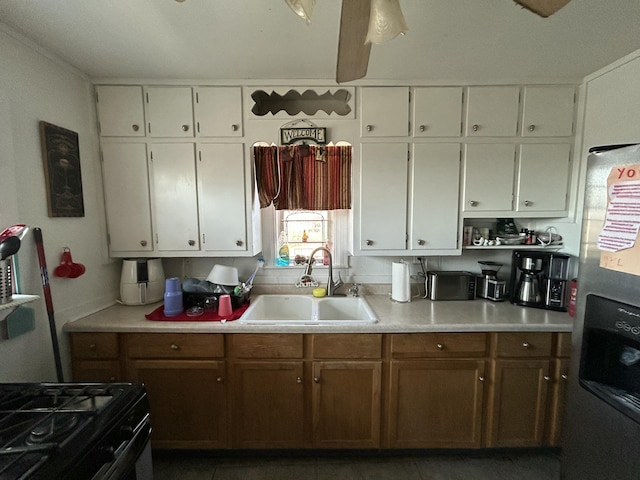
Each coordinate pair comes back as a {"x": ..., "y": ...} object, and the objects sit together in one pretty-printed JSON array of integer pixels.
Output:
[{"x": 617, "y": 242}]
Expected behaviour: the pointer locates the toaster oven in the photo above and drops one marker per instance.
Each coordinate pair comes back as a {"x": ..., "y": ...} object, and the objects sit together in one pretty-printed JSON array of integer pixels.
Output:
[{"x": 451, "y": 285}]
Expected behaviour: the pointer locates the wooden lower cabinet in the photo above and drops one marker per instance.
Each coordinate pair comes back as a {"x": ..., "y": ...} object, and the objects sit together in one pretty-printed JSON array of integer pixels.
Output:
[
  {"x": 186, "y": 381},
  {"x": 521, "y": 379},
  {"x": 96, "y": 357},
  {"x": 188, "y": 401},
  {"x": 346, "y": 404},
  {"x": 264, "y": 391},
  {"x": 436, "y": 390},
  {"x": 267, "y": 409},
  {"x": 436, "y": 403}
]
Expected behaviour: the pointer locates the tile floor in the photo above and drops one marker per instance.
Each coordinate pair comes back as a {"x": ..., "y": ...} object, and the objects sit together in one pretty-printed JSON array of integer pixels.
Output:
[{"x": 345, "y": 466}]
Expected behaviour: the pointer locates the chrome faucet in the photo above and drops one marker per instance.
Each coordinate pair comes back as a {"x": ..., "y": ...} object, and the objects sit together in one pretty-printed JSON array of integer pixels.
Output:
[{"x": 331, "y": 285}]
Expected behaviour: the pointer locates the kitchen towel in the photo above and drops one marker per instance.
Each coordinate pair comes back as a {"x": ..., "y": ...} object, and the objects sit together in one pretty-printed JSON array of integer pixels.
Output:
[{"x": 400, "y": 288}]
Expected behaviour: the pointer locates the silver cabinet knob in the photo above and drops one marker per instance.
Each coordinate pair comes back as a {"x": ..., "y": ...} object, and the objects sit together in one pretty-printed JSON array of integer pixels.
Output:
[
  {"x": 175, "y": 347},
  {"x": 143, "y": 243},
  {"x": 440, "y": 346},
  {"x": 239, "y": 243},
  {"x": 369, "y": 128},
  {"x": 473, "y": 203},
  {"x": 532, "y": 128},
  {"x": 547, "y": 378},
  {"x": 191, "y": 243},
  {"x": 475, "y": 127},
  {"x": 526, "y": 345},
  {"x": 481, "y": 379},
  {"x": 421, "y": 242},
  {"x": 423, "y": 128},
  {"x": 234, "y": 127},
  {"x": 185, "y": 128},
  {"x": 316, "y": 379},
  {"x": 219, "y": 380},
  {"x": 368, "y": 242},
  {"x": 527, "y": 203},
  {"x": 564, "y": 376},
  {"x": 298, "y": 379},
  {"x": 135, "y": 127},
  {"x": 92, "y": 346}
]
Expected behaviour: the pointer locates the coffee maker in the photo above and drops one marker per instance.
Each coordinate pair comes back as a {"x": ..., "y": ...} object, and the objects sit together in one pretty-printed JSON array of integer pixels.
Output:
[
  {"x": 539, "y": 279},
  {"x": 488, "y": 286}
]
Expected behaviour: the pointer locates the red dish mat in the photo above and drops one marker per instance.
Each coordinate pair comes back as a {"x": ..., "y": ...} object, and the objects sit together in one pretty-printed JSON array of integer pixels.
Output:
[{"x": 208, "y": 316}]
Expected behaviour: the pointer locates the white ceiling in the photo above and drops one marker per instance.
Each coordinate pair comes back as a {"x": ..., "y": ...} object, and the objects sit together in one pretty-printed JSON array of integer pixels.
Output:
[{"x": 448, "y": 40}]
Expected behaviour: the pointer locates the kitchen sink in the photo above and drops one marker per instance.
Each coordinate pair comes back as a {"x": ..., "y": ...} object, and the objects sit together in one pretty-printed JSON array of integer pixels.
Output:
[{"x": 307, "y": 310}]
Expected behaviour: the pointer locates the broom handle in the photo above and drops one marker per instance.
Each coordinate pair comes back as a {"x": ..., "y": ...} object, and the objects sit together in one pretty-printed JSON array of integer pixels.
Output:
[{"x": 37, "y": 235}]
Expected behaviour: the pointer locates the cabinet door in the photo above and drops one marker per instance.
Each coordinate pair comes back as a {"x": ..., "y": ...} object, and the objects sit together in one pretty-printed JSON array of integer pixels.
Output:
[
  {"x": 492, "y": 111},
  {"x": 268, "y": 406},
  {"x": 188, "y": 401},
  {"x": 548, "y": 111},
  {"x": 219, "y": 111},
  {"x": 383, "y": 196},
  {"x": 488, "y": 177},
  {"x": 174, "y": 196},
  {"x": 346, "y": 404},
  {"x": 557, "y": 400},
  {"x": 221, "y": 190},
  {"x": 120, "y": 111},
  {"x": 126, "y": 191},
  {"x": 436, "y": 403},
  {"x": 519, "y": 403},
  {"x": 437, "y": 112},
  {"x": 434, "y": 198},
  {"x": 169, "y": 112},
  {"x": 543, "y": 177},
  {"x": 385, "y": 111}
]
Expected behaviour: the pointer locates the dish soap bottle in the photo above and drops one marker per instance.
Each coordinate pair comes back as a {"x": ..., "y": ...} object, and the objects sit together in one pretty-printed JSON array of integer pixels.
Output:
[{"x": 283, "y": 251}]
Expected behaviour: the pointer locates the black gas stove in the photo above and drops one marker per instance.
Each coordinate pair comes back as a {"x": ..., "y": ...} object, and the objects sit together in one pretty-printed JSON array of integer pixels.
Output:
[{"x": 74, "y": 431}]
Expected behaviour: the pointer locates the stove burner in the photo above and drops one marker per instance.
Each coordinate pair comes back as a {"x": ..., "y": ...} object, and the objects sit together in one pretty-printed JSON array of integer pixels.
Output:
[{"x": 53, "y": 429}]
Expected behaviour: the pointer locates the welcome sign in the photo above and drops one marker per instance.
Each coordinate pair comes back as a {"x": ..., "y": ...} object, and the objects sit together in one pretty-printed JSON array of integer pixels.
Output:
[{"x": 289, "y": 135}]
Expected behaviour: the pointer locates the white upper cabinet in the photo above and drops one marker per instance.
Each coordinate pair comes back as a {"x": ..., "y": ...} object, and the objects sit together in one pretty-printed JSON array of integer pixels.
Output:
[
  {"x": 488, "y": 178},
  {"x": 492, "y": 111},
  {"x": 383, "y": 196},
  {"x": 221, "y": 191},
  {"x": 120, "y": 111},
  {"x": 385, "y": 112},
  {"x": 543, "y": 177},
  {"x": 126, "y": 192},
  {"x": 548, "y": 111},
  {"x": 169, "y": 112},
  {"x": 174, "y": 197},
  {"x": 435, "y": 181},
  {"x": 437, "y": 112},
  {"x": 219, "y": 111}
]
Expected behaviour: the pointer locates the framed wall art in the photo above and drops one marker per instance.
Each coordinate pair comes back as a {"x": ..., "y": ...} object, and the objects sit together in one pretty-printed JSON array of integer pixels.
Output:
[{"x": 63, "y": 179}]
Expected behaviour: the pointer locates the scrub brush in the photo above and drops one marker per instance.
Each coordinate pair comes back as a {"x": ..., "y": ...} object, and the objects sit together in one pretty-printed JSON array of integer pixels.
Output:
[{"x": 246, "y": 286}]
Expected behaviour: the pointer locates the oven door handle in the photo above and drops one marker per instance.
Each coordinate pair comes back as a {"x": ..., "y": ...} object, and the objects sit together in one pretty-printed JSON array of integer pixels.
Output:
[{"x": 126, "y": 455}]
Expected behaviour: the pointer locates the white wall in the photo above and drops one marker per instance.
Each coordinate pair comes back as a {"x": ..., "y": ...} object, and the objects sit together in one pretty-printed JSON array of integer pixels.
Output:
[{"x": 33, "y": 87}]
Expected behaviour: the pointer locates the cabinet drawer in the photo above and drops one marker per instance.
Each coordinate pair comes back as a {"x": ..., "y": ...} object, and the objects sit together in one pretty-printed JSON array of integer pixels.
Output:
[
  {"x": 269, "y": 345},
  {"x": 523, "y": 344},
  {"x": 330, "y": 345},
  {"x": 439, "y": 344},
  {"x": 563, "y": 345},
  {"x": 178, "y": 345},
  {"x": 94, "y": 345}
]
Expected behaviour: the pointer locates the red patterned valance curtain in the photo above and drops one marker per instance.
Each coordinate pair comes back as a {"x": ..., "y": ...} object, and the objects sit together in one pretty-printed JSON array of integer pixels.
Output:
[{"x": 304, "y": 177}]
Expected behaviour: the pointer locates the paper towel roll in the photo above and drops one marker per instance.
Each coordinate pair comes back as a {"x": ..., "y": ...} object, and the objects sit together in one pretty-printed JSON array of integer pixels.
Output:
[{"x": 400, "y": 288}]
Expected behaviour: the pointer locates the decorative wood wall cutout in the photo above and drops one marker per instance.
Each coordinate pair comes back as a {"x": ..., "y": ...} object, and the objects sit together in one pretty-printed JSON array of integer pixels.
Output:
[
  {"x": 61, "y": 158},
  {"x": 308, "y": 102}
]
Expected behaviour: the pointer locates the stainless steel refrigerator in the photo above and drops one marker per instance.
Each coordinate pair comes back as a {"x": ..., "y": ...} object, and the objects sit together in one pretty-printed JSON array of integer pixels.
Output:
[{"x": 601, "y": 438}]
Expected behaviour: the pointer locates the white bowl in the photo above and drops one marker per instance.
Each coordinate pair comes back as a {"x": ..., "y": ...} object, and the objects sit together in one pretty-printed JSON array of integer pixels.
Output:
[{"x": 223, "y": 275}]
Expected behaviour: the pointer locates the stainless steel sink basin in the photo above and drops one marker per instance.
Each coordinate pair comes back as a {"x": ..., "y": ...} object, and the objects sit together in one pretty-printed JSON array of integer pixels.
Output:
[{"x": 307, "y": 310}]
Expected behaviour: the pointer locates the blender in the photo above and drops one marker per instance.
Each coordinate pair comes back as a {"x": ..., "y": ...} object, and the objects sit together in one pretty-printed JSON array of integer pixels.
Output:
[{"x": 489, "y": 286}]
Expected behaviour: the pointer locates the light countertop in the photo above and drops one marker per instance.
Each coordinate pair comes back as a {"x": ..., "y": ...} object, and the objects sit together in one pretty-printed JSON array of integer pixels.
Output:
[{"x": 420, "y": 315}]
